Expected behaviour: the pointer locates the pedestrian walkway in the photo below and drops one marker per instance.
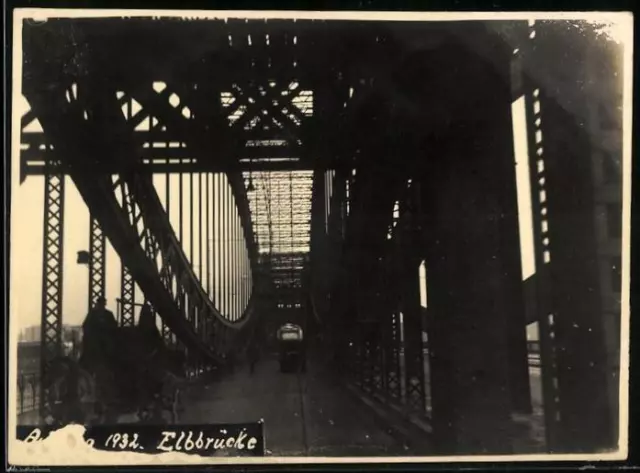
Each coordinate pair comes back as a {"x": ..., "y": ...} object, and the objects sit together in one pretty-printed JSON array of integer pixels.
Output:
[{"x": 304, "y": 414}]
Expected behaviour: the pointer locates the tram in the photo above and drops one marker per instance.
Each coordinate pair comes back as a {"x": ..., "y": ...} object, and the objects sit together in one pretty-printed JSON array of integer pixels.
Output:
[{"x": 291, "y": 348}]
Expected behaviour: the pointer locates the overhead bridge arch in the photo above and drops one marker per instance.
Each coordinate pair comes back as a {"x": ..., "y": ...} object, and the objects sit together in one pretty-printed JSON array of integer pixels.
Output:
[{"x": 92, "y": 143}]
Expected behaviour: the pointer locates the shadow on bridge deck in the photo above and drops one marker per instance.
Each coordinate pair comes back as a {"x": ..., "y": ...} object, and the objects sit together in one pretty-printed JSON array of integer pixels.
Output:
[{"x": 306, "y": 414}]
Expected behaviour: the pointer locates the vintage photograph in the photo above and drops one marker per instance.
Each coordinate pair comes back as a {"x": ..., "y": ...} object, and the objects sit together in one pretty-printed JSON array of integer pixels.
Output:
[{"x": 307, "y": 237}]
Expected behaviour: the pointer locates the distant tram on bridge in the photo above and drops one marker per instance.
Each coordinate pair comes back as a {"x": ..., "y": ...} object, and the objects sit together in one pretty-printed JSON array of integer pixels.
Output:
[{"x": 290, "y": 339}]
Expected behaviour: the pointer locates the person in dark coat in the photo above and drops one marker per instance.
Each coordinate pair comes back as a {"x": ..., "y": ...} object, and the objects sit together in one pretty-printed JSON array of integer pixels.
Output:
[
  {"x": 100, "y": 355},
  {"x": 99, "y": 335}
]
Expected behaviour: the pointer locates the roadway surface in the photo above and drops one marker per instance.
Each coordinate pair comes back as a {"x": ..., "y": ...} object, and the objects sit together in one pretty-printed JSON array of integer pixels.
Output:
[{"x": 304, "y": 414}]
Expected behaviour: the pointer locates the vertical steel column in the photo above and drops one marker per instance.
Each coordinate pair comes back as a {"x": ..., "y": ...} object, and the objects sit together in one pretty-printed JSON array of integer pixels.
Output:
[
  {"x": 468, "y": 331},
  {"x": 97, "y": 262},
  {"x": 165, "y": 332},
  {"x": 52, "y": 263},
  {"x": 243, "y": 276},
  {"x": 218, "y": 225},
  {"x": 246, "y": 274},
  {"x": 238, "y": 265},
  {"x": 466, "y": 256},
  {"x": 221, "y": 236},
  {"x": 127, "y": 297},
  {"x": 566, "y": 241},
  {"x": 250, "y": 289},
  {"x": 243, "y": 279},
  {"x": 207, "y": 234},
  {"x": 234, "y": 264},
  {"x": 229, "y": 253},
  {"x": 225, "y": 249},
  {"x": 190, "y": 313},
  {"x": 215, "y": 225},
  {"x": 230, "y": 258},
  {"x": 233, "y": 259},
  {"x": 245, "y": 271},
  {"x": 222, "y": 244},
  {"x": 544, "y": 303}
]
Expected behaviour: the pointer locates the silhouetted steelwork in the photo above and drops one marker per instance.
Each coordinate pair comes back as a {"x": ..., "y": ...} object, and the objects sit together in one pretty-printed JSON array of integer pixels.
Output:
[
  {"x": 52, "y": 277},
  {"x": 97, "y": 263},
  {"x": 332, "y": 184}
]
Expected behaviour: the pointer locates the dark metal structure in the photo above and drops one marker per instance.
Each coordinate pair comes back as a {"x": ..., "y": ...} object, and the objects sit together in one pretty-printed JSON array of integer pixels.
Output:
[{"x": 338, "y": 159}]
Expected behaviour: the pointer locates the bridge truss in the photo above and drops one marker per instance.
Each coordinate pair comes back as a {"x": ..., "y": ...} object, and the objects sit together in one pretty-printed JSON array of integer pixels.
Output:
[{"x": 338, "y": 197}]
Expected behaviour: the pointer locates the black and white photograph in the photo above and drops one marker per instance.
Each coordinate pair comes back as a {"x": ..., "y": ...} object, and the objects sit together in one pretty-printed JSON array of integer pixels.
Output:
[{"x": 270, "y": 237}]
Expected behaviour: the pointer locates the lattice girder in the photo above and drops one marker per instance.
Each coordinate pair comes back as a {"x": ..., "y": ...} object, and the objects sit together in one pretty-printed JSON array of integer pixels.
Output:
[{"x": 52, "y": 277}]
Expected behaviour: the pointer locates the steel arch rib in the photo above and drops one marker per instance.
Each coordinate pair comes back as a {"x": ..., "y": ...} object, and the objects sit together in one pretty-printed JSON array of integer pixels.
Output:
[{"x": 122, "y": 229}]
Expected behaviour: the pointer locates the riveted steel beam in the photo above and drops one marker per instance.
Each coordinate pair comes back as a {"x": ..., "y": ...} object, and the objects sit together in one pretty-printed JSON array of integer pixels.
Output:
[
  {"x": 52, "y": 277},
  {"x": 97, "y": 262}
]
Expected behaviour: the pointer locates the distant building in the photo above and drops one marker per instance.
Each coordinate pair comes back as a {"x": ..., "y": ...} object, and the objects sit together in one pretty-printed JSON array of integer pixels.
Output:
[
  {"x": 29, "y": 346},
  {"x": 30, "y": 334}
]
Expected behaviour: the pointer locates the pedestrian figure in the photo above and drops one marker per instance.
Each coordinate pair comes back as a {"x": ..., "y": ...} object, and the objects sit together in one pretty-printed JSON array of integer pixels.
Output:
[{"x": 99, "y": 337}]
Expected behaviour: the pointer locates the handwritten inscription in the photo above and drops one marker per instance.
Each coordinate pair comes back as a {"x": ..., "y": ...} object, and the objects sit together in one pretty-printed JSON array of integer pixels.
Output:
[
  {"x": 123, "y": 442},
  {"x": 190, "y": 441},
  {"x": 181, "y": 441}
]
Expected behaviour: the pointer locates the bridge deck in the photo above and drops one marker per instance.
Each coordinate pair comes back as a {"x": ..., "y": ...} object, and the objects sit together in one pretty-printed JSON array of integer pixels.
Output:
[
  {"x": 311, "y": 414},
  {"x": 304, "y": 414}
]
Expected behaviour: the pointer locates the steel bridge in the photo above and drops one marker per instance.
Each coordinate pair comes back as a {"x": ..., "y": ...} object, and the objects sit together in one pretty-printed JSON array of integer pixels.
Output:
[{"x": 331, "y": 163}]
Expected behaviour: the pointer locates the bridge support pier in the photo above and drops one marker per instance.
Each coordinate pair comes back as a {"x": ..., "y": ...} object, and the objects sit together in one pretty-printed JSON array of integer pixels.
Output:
[{"x": 471, "y": 274}]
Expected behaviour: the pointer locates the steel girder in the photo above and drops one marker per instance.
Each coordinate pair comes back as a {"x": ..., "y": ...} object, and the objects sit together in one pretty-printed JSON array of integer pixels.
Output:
[
  {"x": 53, "y": 252},
  {"x": 97, "y": 262},
  {"x": 140, "y": 233},
  {"x": 196, "y": 135},
  {"x": 160, "y": 161},
  {"x": 127, "y": 297}
]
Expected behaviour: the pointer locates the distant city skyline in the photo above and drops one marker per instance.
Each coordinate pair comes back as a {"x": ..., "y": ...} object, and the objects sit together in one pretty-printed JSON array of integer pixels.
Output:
[{"x": 32, "y": 333}]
